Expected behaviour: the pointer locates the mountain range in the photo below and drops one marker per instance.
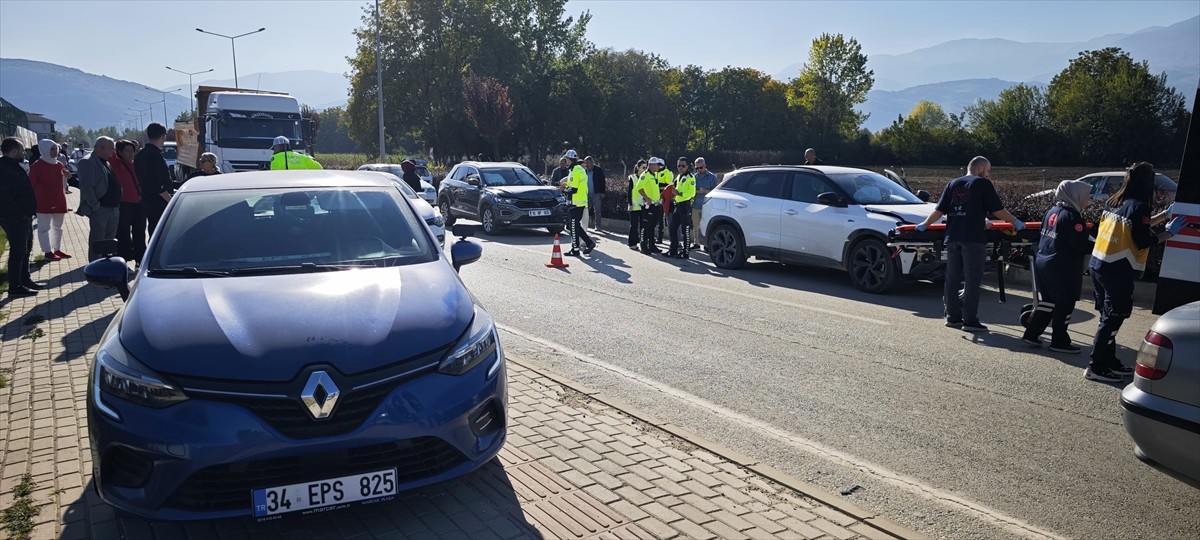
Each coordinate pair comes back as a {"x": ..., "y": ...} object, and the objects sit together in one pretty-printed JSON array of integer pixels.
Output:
[{"x": 953, "y": 74}]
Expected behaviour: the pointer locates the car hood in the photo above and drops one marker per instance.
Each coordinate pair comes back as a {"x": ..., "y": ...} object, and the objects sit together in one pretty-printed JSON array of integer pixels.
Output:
[
  {"x": 535, "y": 193},
  {"x": 267, "y": 328},
  {"x": 912, "y": 213}
]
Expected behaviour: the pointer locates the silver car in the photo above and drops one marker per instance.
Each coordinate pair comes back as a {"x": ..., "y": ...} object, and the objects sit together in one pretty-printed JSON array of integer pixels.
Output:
[{"x": 1162, "y": 406}]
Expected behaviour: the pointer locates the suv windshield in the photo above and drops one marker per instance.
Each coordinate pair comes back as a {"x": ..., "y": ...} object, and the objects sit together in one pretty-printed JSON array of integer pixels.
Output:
[
  {"x": 169, "y": 151},
  {"x": 236, "y": 231},
  {"x": 509, "y": 177},
  {"x": 872, "y": 188}
]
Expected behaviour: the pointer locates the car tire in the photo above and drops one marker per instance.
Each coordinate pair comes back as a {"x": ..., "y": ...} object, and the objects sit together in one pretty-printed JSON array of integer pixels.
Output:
[
  {"x": 871, "y": 267},
  {"x": 487, "y": 217},
  {"x": 726, "y": 248},
  {"x": 554, "y": 230},
  {"x": 446, "y": 215}
]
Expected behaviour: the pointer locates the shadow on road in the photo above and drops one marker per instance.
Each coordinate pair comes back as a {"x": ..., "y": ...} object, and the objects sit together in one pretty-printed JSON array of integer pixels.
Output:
[{"x": 483, "y": 504}]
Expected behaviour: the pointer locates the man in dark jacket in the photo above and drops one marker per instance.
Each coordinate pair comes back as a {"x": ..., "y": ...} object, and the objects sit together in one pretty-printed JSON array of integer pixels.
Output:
[
  {"x": 560, "y": 172},
  {"x": 100, "y": 195},
  {"x": 17, "y": 207},
  {"x": 153, "y": 175},
  {"x": 597, "y": 185}
]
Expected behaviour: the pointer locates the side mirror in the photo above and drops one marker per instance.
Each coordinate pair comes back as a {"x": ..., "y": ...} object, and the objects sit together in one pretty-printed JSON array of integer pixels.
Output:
[
  {"x": 923, "y": 195},
  {"x": 831, "y": 199},
  {"x": 473, "y": 179},
  {"x": 464, "y": 252},
  {"x": 109, "y": 272}
]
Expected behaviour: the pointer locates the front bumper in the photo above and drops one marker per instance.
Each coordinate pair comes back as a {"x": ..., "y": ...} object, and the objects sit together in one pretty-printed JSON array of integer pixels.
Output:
[
  {"x": 512, "y": 216},
  {"x": 1167, "y": 431},
  {"x": 201, "y": 458}
]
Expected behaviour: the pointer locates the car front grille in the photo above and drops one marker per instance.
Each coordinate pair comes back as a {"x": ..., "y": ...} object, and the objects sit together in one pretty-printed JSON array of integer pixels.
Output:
[
  {"x": 289, "y": 416},
  {"x": 546, "y": 203},
  {"x": 228, "y": 486}
]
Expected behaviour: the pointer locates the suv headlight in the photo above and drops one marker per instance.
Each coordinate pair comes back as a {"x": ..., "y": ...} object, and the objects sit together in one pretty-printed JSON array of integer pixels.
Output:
[
  {"x": 506, "y": 200},
  {"x": 560, "y": 198},
  {"x": 479, "y": 344},
  {"x": 118, "y": 375}
]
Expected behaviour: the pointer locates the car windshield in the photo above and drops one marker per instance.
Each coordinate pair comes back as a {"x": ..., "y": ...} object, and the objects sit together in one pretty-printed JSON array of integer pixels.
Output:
[
  {"x": 265, "y": 229},
  {"x": 867, "y": 187},
  {"x": 510, "y": 176},
  {"x": 169, "y": 151}
]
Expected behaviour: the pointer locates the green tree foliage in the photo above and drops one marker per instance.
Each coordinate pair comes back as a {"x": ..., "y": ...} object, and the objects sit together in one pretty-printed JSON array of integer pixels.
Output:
[
  {"x": 833, "y": 81},
  {"x": 1112, "y": 110},
  {"x": 1015, "y": 128},
  {"x": 930, "y": 115},
  {"x": 334, "y": 136},
  {"x": 747, "y": 110},
  {"x": 488, "y": 107},
  {"x": 185, "y": 116},
  {"x": 629, "y": 111}
]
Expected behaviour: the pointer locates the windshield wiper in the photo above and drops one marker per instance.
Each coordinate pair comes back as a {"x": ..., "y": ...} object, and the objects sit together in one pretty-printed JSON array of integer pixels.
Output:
[
  {"x": 302, "y": 268},
  {"x": 189, "y": 271}
]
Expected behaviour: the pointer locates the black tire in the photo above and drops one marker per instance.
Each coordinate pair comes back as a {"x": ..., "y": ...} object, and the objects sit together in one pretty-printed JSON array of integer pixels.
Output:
[
  {"x": 487, "y": 217},
  {"x": 554, "y": 230},
  {"x": 726, "y": 248},
  {"x": 446, "y": 215},
  {"x": 871, "y": 266}
]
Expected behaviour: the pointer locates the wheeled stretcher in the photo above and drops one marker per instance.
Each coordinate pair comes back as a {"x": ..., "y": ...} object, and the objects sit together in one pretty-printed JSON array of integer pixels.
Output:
[{"x": 922, "y": 254}]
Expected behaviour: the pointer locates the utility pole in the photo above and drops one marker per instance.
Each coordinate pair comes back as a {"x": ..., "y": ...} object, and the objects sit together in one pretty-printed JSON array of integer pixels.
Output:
[
  {"x": 191, "y": 89},
  {"x": 379, "y": 85},
  {"x": 232, "y": 48}
]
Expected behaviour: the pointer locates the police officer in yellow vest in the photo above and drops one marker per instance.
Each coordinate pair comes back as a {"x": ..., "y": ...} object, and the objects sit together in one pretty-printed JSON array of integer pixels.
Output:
[
  {"x": 575, "y": 185},
  {"x": 681, "y": 210},
  {"x": 286, "y": 159},
  {"x": 635, "y": 205},
  {"x": 648, "y": 190},
  {"x": 664, "y": 179}
]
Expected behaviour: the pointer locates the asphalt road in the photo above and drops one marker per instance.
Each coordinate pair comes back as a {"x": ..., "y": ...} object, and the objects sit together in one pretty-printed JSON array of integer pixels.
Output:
[{"x": 953, "y": 434}]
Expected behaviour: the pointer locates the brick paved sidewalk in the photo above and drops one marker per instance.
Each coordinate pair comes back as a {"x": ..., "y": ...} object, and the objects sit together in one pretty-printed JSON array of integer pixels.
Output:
[{"x": 573, "y": 466}]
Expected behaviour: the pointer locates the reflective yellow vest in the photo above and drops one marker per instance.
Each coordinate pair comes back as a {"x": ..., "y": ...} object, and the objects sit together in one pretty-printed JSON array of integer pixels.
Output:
[
  {"x": 577, "y": 179},
  {"x": 288, "y": 160},
  {"x": 649, "y": 183},
  {"x": 685, "y": 188},
  {"x": 635, "y": 200}
]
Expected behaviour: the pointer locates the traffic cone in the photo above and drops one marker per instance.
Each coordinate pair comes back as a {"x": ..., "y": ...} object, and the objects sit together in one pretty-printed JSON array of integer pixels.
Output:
[{"x": 556, "y": 259}]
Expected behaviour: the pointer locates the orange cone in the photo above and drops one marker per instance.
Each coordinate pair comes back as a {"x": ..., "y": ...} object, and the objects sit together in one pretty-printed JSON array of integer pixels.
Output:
[{"x": 556, "y": 260}]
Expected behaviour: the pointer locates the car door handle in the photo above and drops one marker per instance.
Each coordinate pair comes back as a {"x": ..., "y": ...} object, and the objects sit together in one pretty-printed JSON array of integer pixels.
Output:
[
  {"x": 739, "y": 205},
  {"x": 790, "y": 212}
]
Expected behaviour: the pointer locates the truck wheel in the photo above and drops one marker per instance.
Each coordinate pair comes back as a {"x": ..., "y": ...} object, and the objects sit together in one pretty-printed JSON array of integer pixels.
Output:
[
  {"x": 726, "y": 249},
  {"x": 871, "y": 267},
  {"x": 446, "y": 215}
]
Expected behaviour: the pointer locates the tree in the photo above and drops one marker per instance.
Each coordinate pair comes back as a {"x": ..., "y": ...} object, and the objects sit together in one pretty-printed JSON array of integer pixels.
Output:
[
  {"x": 1015, "y": 128},
  {"x": 1113, "y": 111},
  {"x": 747, "y": 110},
  {"x": 335, "y": 135},
  {"x": 185, "y": 116},
  {"x": 833, "y": 81},
  {"x": 930, "y": 115},
  {"x": 314, "y": 117},
  {"x": 488, "y": 107}
]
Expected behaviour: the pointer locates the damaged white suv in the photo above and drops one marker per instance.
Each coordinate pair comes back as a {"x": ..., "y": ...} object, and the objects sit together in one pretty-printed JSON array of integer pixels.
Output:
[{"x": 821, "y": 215}]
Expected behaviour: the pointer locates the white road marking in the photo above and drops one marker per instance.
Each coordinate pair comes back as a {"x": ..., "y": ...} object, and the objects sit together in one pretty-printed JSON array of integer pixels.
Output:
[
  {"x": 907, "y": 483},
  {"x": 783, "y": 303}
]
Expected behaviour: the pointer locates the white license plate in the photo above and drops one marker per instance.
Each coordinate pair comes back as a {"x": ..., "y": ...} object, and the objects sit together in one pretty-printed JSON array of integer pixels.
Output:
[
  {"x": 538, "y": 213},
  {"x": 322, "y": 493}
]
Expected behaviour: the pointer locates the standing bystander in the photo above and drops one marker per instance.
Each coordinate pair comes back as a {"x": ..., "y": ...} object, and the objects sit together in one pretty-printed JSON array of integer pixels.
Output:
[
  {"x": 966, "y": 202},
  {"x": 99, "y": 194},
  {"x": 152, "y": 173},
  {"x": 47, "y": 175},
  {"x": 131, "y": 223},
  {"x": 17, "y": 207},
  {"x": 706, "y": 181},
  {"x": 597, "y": 186}
]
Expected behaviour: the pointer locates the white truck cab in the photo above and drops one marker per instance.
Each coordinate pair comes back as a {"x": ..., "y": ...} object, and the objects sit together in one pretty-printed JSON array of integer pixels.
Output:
[{"x": 239, "y": 126}]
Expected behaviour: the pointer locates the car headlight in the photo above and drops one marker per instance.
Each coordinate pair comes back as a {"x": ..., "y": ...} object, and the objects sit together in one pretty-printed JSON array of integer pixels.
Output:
[
  {"x": 481, "y": 343},
  {"x": 437, "y": 220},
  {"x": 561, "y": 199},
  {"x": 506, "y": 200},
  {"x": 127, "y": 379}
]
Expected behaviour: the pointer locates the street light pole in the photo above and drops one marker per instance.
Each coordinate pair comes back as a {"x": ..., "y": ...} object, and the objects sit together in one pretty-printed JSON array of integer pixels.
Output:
[
  {"x": 140, "y": 111},
  {"x": 164, "y": 100},
  {"x": 379, "y": 87},
  {"x": 191, "y": 90},
  {"x": 151, "y": 109},
  {"x": 232, "y": 48}
]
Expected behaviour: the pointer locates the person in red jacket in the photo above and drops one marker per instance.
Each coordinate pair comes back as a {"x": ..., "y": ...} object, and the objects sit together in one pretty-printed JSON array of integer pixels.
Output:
[
  {"x": 47, "y": 176},
  {"x": 131, "y": 222}
]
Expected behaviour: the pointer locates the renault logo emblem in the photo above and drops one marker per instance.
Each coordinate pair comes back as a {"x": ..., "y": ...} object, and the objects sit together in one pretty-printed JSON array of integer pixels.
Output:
[{"x": 320, "y": 395}]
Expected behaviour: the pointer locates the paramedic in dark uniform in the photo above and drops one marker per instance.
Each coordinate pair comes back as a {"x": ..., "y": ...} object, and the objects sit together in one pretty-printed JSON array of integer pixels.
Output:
[
  {"x": 1123, "y": 243},
  {"x": 1058, "y": 267}
]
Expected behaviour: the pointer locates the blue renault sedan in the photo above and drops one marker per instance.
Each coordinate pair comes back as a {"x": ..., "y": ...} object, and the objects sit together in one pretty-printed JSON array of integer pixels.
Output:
[{"x": 294, "y": 341}]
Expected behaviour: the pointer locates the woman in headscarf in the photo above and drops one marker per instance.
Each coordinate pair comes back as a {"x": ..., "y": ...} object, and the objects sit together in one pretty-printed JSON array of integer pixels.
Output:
[
  {"x": 1058, "y": 267},
  {"x": 1123, "y": 243},
  {"x": 47, "y": 176},
  {"x": 131, "y": 219},
  {"x": 410, "y": 176}
]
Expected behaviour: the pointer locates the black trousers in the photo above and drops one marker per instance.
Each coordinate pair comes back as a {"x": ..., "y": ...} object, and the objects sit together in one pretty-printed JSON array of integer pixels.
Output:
[
  {"x": 153, "y": 211},
  {"x": 1053, "y": 308},
  {"x": 651, "y": 216},
  {"x": 20, "y": 245},
  {"x": 577, "y": 231},
  {"x": 681, "y": 227},
  {"x": 635, "y": 227},
  {"x": 1114, "y": 301},
  {"x": 131, "y": 232}
]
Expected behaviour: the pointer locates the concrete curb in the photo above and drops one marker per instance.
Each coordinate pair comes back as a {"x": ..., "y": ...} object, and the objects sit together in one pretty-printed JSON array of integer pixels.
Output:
[{"x": 889, "y": 528}]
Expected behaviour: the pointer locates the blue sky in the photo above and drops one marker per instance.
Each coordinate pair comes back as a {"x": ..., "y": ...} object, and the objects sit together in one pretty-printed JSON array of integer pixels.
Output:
[{"x": 144, "y": 36}]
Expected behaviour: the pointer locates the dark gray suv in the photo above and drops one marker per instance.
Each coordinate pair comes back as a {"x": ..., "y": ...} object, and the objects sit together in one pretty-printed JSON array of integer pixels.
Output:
[{"x": 501, "y": 195}]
